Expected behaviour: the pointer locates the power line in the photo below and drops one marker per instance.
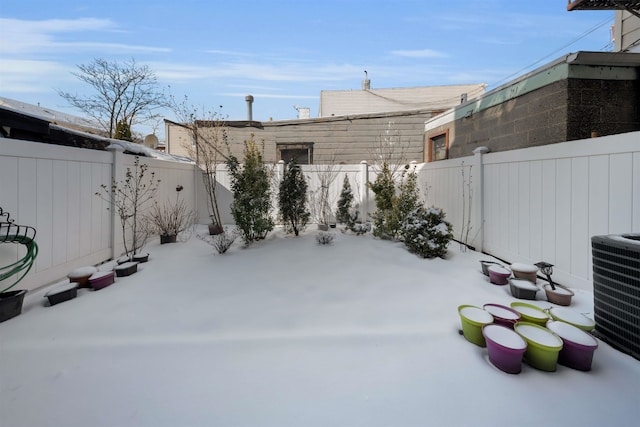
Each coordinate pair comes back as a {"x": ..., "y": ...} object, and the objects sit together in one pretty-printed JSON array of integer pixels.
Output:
[{"x": 581, "y": 36}]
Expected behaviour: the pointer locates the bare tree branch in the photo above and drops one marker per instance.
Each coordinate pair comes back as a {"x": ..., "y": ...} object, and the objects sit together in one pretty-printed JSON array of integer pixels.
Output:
[{"x": 121, "y": 92}]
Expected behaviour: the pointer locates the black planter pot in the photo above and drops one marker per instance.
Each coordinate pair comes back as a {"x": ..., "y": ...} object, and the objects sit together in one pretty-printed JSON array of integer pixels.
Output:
[
  {"x": 215, "y": 229},
  {"x": 167, "y": 238},
  {"x": 11, "y": 304},
  {"x": 126, "y": 269},
  {"x": 140, "y": 258},
  {"x": 62, "y": 293}
]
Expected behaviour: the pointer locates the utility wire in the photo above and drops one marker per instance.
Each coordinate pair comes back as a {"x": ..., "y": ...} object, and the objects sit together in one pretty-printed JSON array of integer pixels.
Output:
[{"x": 581, "y": 36}]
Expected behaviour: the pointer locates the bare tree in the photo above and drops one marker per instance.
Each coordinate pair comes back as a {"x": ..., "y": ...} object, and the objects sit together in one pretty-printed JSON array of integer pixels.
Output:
[
  {"x": 389, "y": 149},
  {"x": 123, "y": 92},
  {"x": 209, "y": 139},
  {"x": 320, "y": 198}
]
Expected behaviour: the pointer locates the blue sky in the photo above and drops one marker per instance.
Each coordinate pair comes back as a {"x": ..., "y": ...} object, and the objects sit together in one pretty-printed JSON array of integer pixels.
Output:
[{"x": 285, "y": 52}]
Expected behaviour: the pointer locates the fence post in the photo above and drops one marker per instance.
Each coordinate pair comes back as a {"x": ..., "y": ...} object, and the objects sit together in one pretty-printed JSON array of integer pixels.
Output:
[
  {"x": 116, "y": 172},
  {"x": 364, "y": 190},
  {"x": 478, "y": 187}
]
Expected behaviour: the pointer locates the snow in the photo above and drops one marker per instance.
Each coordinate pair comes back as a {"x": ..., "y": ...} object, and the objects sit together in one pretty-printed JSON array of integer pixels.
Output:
[
  {"x": 501, "y": 271},
  {"x": 538, "y": 335},
  {"x": 61, "y": 288},
  {"x": 290, "y": 333},
  {"x": 571, "y": 333},
  {"x": 524, "y": 284},
  {"x": 524, "y": 268},
  {"x": 476, "y": 314},
  {"x": 530, "y": 311},
  {"x": 558, "y": 290},
  {"x": 501, "y": 312},
  {"x": 504, "y": 336},
  {"x": 572, "y": 316}
]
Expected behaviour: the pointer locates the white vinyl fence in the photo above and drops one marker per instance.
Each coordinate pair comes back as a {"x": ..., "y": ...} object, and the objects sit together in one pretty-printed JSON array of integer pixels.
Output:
[
  {"x": 52, "y": 188},
  {"x": 535, "y": 204},
  {"x": 543, "y": 203}
]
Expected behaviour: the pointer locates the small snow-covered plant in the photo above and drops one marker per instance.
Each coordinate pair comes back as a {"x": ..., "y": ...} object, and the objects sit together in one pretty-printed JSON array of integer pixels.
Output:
[
  {"x": 171, "y": 219},
  {"x": 325, "y": 238},
  {"x": 426, "y": 233},
  {"x": 221, "y": 242},
  {"x": 359, "y": 228},
  {"x": 130, "y": 198}
]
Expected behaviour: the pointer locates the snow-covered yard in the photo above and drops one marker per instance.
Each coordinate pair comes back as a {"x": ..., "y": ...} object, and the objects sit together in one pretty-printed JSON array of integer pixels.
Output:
[{"x": 291, "y": 333}]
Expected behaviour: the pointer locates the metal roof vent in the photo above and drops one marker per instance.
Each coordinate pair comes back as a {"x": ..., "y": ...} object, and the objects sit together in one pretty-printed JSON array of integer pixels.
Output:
[{"x": 366, "y": 83}]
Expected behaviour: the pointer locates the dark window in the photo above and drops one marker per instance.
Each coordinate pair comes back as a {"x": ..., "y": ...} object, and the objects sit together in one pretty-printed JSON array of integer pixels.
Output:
[
  {"x": 438, "y": 148},
  {"x": 301, "y": 152}
]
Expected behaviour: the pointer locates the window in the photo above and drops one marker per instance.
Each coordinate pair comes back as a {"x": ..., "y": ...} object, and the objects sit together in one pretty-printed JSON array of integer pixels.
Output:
[
  {"x": 438, "y": 147},
  {"x": 302, "y": 152}
]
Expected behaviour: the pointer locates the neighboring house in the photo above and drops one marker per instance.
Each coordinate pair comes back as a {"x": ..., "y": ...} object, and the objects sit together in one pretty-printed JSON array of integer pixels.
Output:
[
  {"x": 577, "y": 96},
  {"x": 367, "y": 100},
  {"x": 352, "y": 132},
  {"x": 626, "y": 31}
]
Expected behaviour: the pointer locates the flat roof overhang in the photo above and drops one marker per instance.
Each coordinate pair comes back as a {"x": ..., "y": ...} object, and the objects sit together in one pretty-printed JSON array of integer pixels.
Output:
[{"x": 628, "y": 5}]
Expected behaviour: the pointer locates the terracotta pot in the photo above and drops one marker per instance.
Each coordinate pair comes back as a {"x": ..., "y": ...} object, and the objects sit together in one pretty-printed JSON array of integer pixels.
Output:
[{"x": 560, "y": 296}]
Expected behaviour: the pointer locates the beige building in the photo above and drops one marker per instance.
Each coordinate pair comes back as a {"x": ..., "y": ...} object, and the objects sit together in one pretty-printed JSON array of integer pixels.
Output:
[{"x": 356, "y": 125}]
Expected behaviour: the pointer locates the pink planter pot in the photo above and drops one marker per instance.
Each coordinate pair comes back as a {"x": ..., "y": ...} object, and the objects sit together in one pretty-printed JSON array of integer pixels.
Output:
[
  {"x": 498, "y": 275},
  {"x": 505, "y": 348}
]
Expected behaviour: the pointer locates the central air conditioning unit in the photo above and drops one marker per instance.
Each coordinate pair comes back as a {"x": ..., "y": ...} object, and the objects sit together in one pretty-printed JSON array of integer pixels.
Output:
[{"x": 616, "y": 290}]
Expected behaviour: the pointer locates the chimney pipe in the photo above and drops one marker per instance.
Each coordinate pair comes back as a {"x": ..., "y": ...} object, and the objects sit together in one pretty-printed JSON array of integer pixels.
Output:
[
  {"x": 249, "y": 100},
  {"x": 366, "y": 83}
]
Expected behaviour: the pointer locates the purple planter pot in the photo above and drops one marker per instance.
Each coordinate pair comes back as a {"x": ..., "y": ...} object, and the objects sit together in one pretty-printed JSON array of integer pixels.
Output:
[
  {"x": 505, "y": 348},
  {"x": 503, "y": 315},
  {"x": 101, "y": 279},
  {"x": 498, "y": 275},
  {"x": 578, "y": 346}
]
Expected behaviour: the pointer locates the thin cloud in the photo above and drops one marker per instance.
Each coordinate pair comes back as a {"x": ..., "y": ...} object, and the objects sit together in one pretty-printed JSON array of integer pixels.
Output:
[
  {"x": 253, "y": 71},
  {"x": 421, "y": 53},
  {"x": 23, "y": 37}
]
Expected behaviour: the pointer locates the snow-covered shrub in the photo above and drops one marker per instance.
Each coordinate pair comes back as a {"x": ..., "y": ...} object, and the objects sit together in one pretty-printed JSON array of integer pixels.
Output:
[
  {"x": 394, "y": 202},
  {"x": 292, "y": 199},
  {"x": 426, "y": 233},
  {"x": 359, "y": 228},
  {"x": 325, "y": 238},
  {"x": 251, "y": 187},
  {"x": 343, "y": 214}
]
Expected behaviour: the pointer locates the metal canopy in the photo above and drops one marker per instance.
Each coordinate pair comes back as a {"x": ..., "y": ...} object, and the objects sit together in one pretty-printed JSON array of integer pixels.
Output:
[
  {"x": 628, "y": 5},
  {"x": 631, "y": 6}
]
